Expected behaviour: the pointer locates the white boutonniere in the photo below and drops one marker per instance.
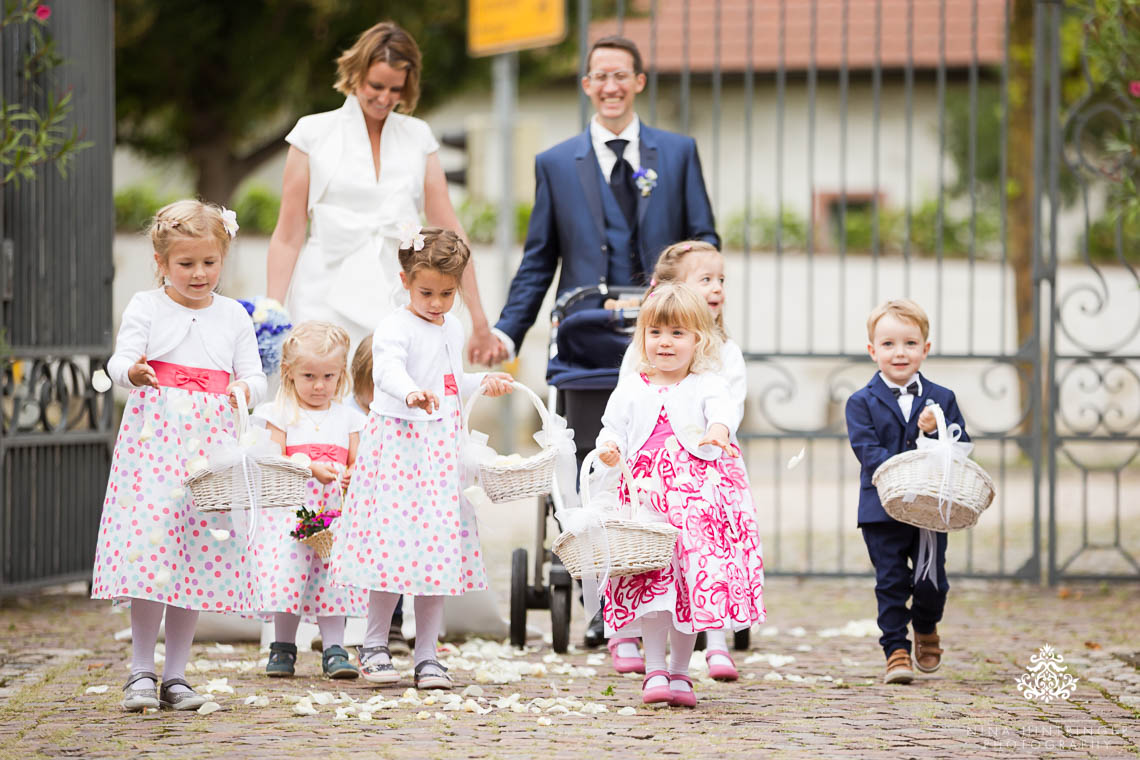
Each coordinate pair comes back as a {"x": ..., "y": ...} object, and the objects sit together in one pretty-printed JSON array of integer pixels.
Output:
[
  {"x": 229, "y": 221},
  {"x": 646, "y": 180},
  {"x": 411, "y": 237}
]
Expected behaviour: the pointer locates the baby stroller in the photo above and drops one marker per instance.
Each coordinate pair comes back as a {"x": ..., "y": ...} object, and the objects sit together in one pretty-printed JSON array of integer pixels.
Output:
[{"x": 587, "y": 343}]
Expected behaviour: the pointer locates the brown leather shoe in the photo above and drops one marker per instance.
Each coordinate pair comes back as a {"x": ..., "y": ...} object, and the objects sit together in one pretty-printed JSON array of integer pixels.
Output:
[
  {"x": 898, "y": 667},
  {"x": 927, "y": 653}
]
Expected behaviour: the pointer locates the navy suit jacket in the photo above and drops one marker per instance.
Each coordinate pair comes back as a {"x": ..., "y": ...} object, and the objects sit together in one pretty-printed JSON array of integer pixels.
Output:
[
  {"x": 567, "y": 223},
  {"x": 877, "y": 432}
]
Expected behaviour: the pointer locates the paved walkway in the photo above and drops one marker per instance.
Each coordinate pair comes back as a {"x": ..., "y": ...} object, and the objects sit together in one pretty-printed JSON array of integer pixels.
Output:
[{"x": 810, "y": 689}]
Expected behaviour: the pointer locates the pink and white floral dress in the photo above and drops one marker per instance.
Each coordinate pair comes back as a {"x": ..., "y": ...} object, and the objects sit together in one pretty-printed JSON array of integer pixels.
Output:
[
  {"x": 716, "y": 578},
  {"x": 291, "y": 577}
]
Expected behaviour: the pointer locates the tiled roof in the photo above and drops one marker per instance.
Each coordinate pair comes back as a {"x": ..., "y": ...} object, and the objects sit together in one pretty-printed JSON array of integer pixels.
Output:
[{"x": 861, "y": 34}]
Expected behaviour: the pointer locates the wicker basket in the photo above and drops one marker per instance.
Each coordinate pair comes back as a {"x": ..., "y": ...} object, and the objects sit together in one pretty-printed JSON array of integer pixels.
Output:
[
  {"x": 634, "y": 547},
  {"x": 917, "y": 473},
  {"x": 282, "y": 481},
  {"x": 321, "y": 543},
  {"x": 532, "y": 476}
]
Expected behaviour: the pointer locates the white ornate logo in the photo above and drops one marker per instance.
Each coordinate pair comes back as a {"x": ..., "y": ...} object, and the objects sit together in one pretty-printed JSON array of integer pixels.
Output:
[{"x": 1046, "y": 678}]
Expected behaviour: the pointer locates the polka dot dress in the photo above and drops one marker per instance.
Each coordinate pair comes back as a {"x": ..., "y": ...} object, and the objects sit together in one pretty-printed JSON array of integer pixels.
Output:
[
  {"x": 153, "y": 543},
  {"x": 406, "y": 527}
]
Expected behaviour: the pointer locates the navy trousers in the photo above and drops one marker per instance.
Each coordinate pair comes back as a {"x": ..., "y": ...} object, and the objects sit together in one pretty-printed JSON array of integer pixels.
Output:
[{"x": 893, "y": 547}]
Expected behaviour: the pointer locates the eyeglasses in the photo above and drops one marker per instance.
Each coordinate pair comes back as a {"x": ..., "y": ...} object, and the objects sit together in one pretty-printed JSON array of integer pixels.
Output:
[{"x": 619, "y": 77}]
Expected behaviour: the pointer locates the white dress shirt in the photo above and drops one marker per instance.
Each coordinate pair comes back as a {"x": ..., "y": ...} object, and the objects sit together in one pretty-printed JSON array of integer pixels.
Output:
[
  {"x": 411, "y": 354},
  {"x": 218, "y": 337},
  {"x": 906, "y": 401}
]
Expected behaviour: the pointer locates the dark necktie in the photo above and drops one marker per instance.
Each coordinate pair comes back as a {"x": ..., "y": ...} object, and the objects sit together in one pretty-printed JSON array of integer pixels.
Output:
[
  {"x": 621, "y": 181},
  {"x": 912, "y": 389}
]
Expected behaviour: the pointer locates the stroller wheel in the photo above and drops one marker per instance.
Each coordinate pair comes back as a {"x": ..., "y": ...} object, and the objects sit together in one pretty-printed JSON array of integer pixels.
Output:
[
  {"x": 560, "y": 602},
  {"x": 518, "y": 598},
  {"x": 741, "y": 640}
]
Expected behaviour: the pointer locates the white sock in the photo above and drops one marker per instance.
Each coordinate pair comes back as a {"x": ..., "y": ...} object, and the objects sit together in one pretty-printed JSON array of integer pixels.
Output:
[
  {"x": 680, "y": 652},
  {"x": 180, "y": 624},
  {"x": 146, "y": 617},
  {"x": 716, "y": 641},
  {"x": 285, "y": 625},
  {"x": 429, "y": 619},
  {"x": 655, "y": 628},
  {"x": 627, "y": 649},
  {"x": 332, "y": 630},
  {"x": 381, "y": 604}
]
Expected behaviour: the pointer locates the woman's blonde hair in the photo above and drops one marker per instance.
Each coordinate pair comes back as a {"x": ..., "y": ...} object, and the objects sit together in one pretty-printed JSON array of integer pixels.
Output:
[
  {"x": 384, "y": 43},
  {"x": 676, "y": 304},
  {"x": 443, "y": 251},
  {"x": 186, "y": 220},
  {"x": 315, "y": 339},
  {"x": 671, "y": 266}
]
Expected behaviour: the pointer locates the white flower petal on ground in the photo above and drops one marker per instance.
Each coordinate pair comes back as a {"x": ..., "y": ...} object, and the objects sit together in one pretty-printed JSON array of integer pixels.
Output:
[
  {"x": 321, "y": 697},
  {"x": 627, "y": 711},
  {"x": 854, "y": 628},
  {"x": 423, "y": 715},
  {"x": 769, "y": 631},
  {"x": 439, "y": 716},
  {"x": 797, "y": 458},
  {"x": 798, "y": 632},
  {"x": 473, "y": 691},
  {"x": 257, "y": 700},
  {"x": 97, "y": 689},
  {"x": 219, "y": 534},
  {"x": 220, "y": 686},
  {"x": 209, "y": 707},
  {"x": 773, "y": 676},
  {"x": 803, "y": 648},
  {"x": 100, "y": 381},
  {"x": 304, "y": 707},
  {"x": 793, "y": 677},
  {"x": 544, "y": 721},
  {"x": 452, "y": 706},
  {"x": 504, "y": 702},
  {"x": 343, "y": 714},
  {"x": 519, "y": 708},
  {"x": 222, "y": 648},
  {"x": 365, "y": 717},
  {"x": 594, "y": 708}
]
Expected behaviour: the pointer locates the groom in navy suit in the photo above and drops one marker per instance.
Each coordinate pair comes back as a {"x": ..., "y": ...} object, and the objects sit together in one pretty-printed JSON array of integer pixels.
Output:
[{"x": 607, "y": 201}]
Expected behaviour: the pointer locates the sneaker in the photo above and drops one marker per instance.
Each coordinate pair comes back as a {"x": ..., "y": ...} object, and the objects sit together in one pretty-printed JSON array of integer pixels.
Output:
[
  {"x": 927, "y": 651},
  {"x": 282, "y": 660},
  {"x": 431, "y": 675},
  {"x": 376, "y": 665},
  {"x": 335, "y": 664},
  {"x": 180, "y": 700},
  {"x": 139, "y": 698},
  {"x": 898, "y": 667}
]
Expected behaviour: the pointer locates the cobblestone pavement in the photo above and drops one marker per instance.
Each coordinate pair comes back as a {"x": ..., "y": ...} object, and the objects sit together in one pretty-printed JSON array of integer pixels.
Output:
[{"x": 811, "y": 688}]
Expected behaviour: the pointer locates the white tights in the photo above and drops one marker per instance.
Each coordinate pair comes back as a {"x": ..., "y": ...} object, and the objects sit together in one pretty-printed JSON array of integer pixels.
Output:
[
  {"x": 656, "y": 629},
  {"x": 429, "y": 619},
  {"x": 285, "y": 626},
  {"x": 146, "y": 617}
]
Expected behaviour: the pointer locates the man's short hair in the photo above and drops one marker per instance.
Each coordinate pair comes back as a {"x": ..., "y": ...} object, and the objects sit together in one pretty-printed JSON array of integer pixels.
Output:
[{"x": 618, "y": 43}]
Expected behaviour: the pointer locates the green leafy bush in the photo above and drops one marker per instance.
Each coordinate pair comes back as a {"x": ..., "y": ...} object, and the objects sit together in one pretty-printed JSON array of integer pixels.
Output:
[
  {"x": 479, "y": 219},
  {"x": 136, "y": 205},
  {"x": 257, "y": 209},
  {"x": 764, "y": 228},
  {"x": 1102, "y": 241}
]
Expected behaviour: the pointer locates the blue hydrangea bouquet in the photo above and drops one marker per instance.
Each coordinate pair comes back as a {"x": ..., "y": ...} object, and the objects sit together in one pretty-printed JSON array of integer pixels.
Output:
[{"x": 271, "y": 325}]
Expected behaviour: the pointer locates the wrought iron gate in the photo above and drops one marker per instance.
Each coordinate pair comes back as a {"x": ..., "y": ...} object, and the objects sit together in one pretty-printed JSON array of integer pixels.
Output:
[
  {"x": 864, "y": 149},
  {"x": 55, "y": 282}
]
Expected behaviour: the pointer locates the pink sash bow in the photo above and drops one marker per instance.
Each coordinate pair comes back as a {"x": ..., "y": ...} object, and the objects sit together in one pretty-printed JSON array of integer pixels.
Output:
[
  {"x": 323, "y": 452},
  {"x": 190, "y": 378}
]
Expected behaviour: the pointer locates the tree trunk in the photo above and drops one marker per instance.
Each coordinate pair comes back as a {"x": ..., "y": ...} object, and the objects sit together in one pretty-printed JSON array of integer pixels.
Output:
[
  {"x": 214, "y": 166},
  {"x": 1020, "y": 182}
]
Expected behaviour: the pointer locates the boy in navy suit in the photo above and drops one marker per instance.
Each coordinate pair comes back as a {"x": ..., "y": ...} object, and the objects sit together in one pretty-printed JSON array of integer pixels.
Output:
[{"x": 883, "y": 419}]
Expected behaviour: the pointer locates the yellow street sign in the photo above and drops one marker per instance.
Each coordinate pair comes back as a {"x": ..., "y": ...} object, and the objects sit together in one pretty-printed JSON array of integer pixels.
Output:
[{"x": 500, "y": 26}]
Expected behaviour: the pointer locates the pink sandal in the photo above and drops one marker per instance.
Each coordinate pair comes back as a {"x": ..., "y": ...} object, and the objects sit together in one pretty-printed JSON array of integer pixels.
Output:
[
  {"x": 658, "y": 694},
  {"x": 625, "y": 664},
  {"x": 682, "y": 698},
  {"x": 721, "y": 672}
]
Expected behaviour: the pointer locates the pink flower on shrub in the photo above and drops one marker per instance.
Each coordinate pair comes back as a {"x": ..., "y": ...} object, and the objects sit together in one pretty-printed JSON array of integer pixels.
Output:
[
  {"x": 43, "y": 12},
  {"x": 1134, "y": 88}
]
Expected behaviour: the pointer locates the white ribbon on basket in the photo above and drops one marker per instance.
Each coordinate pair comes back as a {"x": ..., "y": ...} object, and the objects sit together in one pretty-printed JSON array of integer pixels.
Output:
[
  {"x": 240, "y": 454},
  {"x": 475, "y": 450},
  {"x": 946, "y": 450}
]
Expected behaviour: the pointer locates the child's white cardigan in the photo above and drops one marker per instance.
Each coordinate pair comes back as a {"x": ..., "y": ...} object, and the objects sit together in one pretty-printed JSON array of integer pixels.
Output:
[{"x": 693, "y": 405}]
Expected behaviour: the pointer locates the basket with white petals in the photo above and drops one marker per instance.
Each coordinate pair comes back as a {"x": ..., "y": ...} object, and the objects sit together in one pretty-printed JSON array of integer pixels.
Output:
[{"x": 506, "y": 478}]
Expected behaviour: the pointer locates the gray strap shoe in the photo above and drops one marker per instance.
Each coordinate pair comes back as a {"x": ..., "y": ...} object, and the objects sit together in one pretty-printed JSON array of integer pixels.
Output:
[
  {"x": 140, "y": 698},
  {"x": 430, "y": 674},
  {"x": 376, "y": 665},
  {"x": 180, "y": 700}
]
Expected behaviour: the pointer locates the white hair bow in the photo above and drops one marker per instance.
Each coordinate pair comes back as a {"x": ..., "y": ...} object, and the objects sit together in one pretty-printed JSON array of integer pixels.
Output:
[
  {"x": 411, "y": 236},
  {"x": 229, "y": 221}
]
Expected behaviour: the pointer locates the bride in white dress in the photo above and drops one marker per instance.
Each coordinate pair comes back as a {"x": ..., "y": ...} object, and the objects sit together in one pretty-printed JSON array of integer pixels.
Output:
[{"x": 361, "y": 174}]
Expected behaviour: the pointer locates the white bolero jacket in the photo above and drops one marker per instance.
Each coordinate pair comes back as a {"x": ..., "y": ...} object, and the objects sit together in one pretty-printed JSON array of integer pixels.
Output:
[
  {"x": 411, "y": 354},
  {"x": 693, "y": 405},
  {"x": 732, "y": 369}
]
